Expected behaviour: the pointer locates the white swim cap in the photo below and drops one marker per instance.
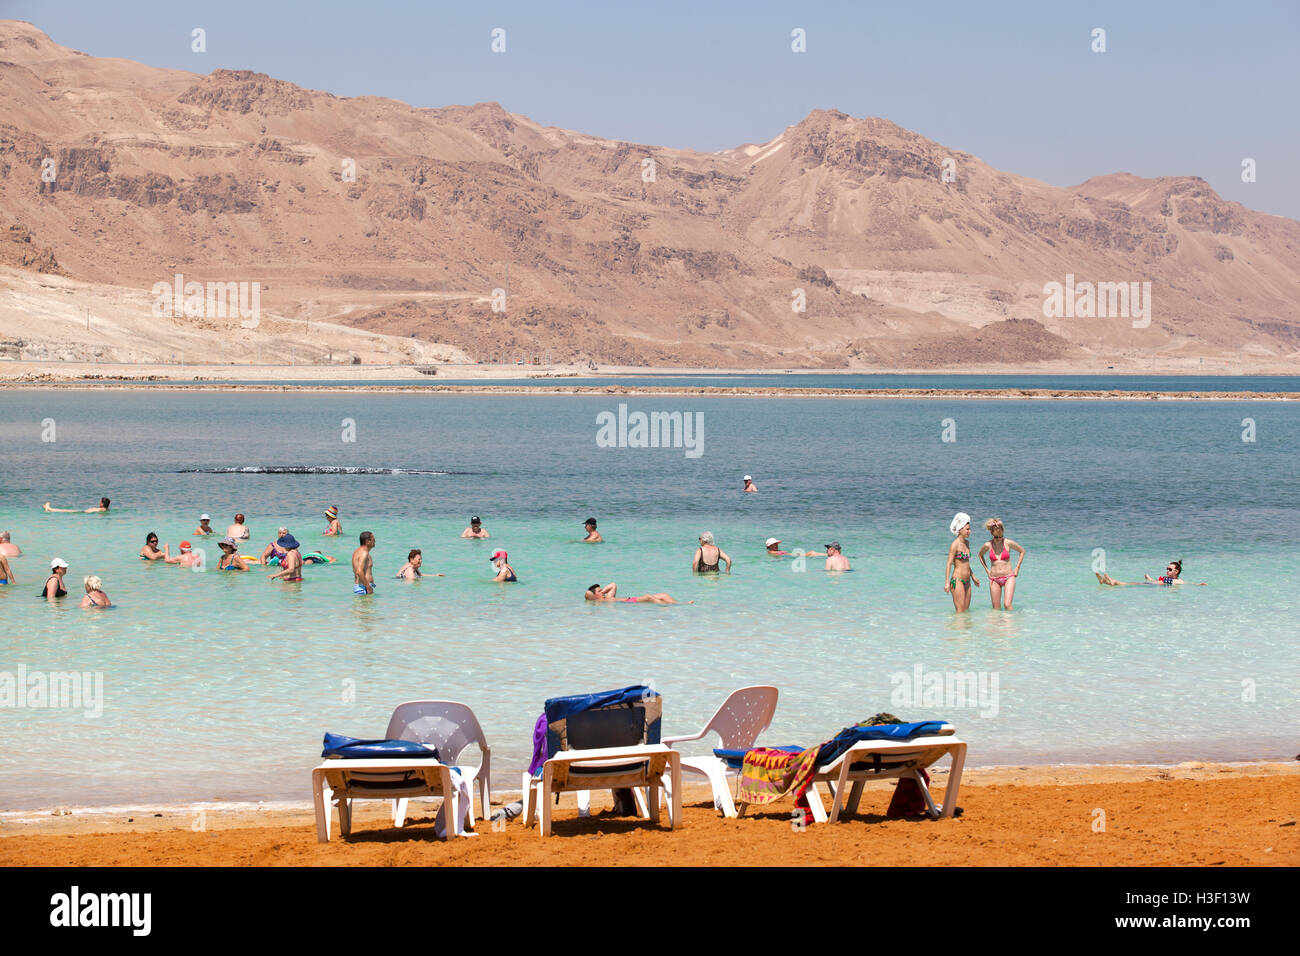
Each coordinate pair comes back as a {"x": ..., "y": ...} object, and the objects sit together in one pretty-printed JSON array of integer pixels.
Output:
[{"x": 960, "y": 520}]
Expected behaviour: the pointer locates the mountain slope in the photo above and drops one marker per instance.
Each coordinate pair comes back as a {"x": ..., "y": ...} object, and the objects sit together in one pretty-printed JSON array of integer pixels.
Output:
[{"x": 695, "y": 260}]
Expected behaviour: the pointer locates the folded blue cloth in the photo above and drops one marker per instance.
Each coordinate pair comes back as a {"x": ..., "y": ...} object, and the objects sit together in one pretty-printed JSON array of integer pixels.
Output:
[{"x": 337, "y": 745}]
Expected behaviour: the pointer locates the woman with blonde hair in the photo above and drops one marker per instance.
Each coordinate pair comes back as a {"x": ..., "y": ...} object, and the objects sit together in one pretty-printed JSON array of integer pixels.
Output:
[
  {"x": 1002, "y": 576},
  {"x": 95, "y": 596},
  {"x": 958, "y": 571}
]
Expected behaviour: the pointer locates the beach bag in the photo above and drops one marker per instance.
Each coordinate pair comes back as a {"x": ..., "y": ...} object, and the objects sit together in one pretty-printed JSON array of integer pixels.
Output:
[{"x": 907, "y": 800}]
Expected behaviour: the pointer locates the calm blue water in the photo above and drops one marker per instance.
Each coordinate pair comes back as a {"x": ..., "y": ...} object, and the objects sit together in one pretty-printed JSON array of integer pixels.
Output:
[{"x": 221, "y": 685}]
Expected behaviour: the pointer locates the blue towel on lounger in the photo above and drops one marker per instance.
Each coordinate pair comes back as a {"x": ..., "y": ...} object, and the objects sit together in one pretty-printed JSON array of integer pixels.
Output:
[{"x": 337, "y": 745}]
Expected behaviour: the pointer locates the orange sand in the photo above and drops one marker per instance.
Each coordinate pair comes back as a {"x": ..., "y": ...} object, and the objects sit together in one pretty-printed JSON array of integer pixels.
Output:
[{"x": 1192, "y": 815}]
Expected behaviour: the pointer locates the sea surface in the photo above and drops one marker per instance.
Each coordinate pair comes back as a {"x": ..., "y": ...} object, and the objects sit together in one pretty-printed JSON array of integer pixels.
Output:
[{"x": 221, "y": 685}]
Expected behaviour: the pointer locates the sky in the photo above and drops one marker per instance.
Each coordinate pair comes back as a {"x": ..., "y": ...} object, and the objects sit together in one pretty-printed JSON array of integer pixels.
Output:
[{"x": 1182, "y": 88}]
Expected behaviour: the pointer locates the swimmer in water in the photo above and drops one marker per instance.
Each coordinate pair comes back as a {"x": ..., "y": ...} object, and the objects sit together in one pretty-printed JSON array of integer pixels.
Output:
[
  {"x": 332, "y": 515},
  {"x": 749, "y": 486},
  {"x": 708, "y": 556},
  {"x": 504, "y": 572},
  {"x": 773, "y": 546},
  {"x": 53, "y": 587},
  {"x": 150, "y": 550},
  {"x": 835, "y": 561},
  {"x": 958, "y": 574},
  {"x": 475, "y": 529},
  {"x": 610, "y": 593},
  {"x": 272, "y": 554},
  {"x": 103, "y": 507},
  {"x": 95, "y": 596},
  {"x": 291, "y": 563},
  {"x": 6, "y": 573},
  {"x": 1173, "y": 575},
  {"x": 187, "y": 558},
  {"x": 1002, "y": 576},
  {"x": 230, "y": 559},
  {"x": 593, "y": 536},
  {"x": 411, "y": 569},
  {"x": 204, "y": 527},
  {"x": 7, "y": 548},
  {"x": 363, "y": 569},
  {"x": 238, "y": 530}
]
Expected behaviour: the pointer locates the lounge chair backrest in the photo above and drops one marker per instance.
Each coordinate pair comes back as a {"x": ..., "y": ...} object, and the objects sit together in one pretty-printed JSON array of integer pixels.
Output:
[
  {"x": 743, "y": 716},
  {"x": 614, "y": 727},
  {"x": 447, "y": 724},
  {"x": 627, "y": 717}
]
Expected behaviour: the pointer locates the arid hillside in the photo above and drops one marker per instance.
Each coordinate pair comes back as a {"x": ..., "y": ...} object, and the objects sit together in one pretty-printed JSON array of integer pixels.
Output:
[{"x": 470, "y": 231}]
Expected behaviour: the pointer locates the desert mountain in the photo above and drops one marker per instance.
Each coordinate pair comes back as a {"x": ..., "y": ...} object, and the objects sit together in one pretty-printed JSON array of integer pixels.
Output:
[{"x": 369, "y": 215}]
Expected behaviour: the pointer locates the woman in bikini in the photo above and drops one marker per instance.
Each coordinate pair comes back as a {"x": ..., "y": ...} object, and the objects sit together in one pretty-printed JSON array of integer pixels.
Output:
[
  {"x": 291, "y": 564},
  {"x": 957, "y": 573},
  {"x": 230, "y": 559},
  {"x": 95, "y": 596},
  {"x": 708, "y": 556},
  {"x": 1002, "y": 576},
  {"x": 502, "y": 571}
]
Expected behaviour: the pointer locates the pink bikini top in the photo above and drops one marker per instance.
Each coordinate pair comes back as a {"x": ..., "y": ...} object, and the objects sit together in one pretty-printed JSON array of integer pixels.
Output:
[{"x": 1004, "y": 556}]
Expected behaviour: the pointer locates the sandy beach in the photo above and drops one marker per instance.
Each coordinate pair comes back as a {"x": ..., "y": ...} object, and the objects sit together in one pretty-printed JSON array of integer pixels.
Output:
[
  {"x": 550, "y": 380},
  {"x": 31, "y": 372},
  {"x": 1192, "y": 814}
]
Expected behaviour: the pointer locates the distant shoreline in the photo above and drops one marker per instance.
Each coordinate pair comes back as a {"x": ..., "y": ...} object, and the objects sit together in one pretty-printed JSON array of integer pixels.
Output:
[{"x": 938, "y": 394}]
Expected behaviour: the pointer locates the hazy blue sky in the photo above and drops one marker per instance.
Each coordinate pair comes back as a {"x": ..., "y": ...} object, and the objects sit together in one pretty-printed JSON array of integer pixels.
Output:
[{"x": 1184, "y": 88}]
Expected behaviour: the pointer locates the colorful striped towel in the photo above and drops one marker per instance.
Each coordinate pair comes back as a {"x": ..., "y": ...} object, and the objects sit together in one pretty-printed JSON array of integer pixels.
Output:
[{"x": 768, "y": 775}]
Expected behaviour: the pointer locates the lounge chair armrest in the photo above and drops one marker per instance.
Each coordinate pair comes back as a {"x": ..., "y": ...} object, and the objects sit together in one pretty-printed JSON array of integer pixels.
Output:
[{"x": 670, "y": 741}]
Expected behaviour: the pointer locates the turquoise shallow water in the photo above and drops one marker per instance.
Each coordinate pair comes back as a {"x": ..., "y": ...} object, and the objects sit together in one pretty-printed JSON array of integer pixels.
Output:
[{"x": 219, "y": 685}]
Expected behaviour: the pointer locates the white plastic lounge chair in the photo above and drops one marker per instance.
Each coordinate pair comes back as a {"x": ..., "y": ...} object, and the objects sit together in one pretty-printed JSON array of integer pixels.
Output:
[
  {"x": 885, "y": 759},
  {"x": 451, "y": 727},
  {"x": 605, "y": 748},
  {"x": 381, "y": 778},
  {"x": 607, "y": 767},
  {"x": 744, "y": 715}
]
